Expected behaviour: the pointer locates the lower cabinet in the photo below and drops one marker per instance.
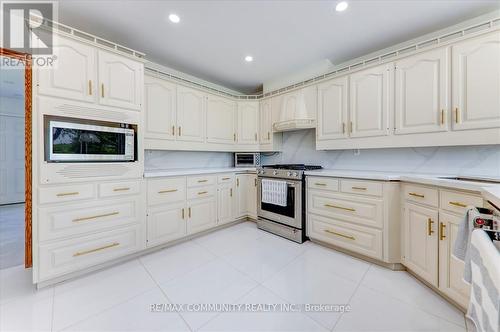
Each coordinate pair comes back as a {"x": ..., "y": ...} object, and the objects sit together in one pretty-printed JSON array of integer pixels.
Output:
[
  {"x": 246, "y": 196},
  {"x": 166, "y": 223},
  {"x": 201, "y": 215},
  {"x": 225, "y": 203}
]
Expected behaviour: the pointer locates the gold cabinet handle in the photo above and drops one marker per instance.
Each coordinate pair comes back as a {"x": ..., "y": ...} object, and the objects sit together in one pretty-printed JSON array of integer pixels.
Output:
[
  {"x": 343, "y": 127},
  {"x": 96, "y": 216},
  {"x": 68, "y": 194},
  {"x": 339, "y": 234},
  {"x": 319, "y": 184},
  {"x": 182, "y": 213},
  {"x": 90, "y": 88},
  {"x": 234, "y": 137},
  {"x": 457, "y": 115},
  {"x": 167, "y": 191},
  {"x": 202, "y": 192},
  {"x": 180, "y": 131},
  {"x": 429, "y": 226},
  {"x": 226, "y": 178},
  {"x": 189, "y": 212},
  {"x": 268, "y": 135},
  {"x": 358, "y": 188},
  {"x": 350, "y": 129},
  {"x": 237, "y": 182},
  {"x": 442, "y": 226},
  {"x": 173, "y": 130},
  {"x": 231, "y": 192},
  {"x": 458, "y": 204},
  {"x": 416, "y": 195},
  {"x": 122, "y": 189},
  {"x": 81, "y": 253},
  {"x": 102, "y": 90},
  {"x": 255, "y": 136},
  {"x": 255, "y": 182},
  {"x": 339, "y": 207},
  {"x": 201, "y": 181},
  {"x": 442, "y": 116}
]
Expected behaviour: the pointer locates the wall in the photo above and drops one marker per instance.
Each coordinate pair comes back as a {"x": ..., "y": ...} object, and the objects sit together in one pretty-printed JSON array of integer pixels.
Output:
[
  {"x": 299, "y": 147},
  {"x": 155, "y": 159}
]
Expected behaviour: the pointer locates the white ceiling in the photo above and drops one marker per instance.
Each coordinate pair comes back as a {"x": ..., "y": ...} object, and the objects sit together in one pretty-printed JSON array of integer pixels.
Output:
[{"x": 213, "y": 36}]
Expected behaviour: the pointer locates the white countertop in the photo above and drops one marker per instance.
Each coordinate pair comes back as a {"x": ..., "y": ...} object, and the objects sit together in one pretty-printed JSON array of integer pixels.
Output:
[
  {"x": 368, "y": 175},
  {"x": 194, "y": 171},
  {"x": 492, "y": 194}
]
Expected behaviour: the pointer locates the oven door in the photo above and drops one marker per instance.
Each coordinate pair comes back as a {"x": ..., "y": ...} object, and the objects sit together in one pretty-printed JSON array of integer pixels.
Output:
[{"x": 291, "y": 214}]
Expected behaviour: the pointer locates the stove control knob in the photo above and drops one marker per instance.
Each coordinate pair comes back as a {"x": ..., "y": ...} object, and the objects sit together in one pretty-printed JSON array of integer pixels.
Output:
[
  {"x": 275, "y": 173},
  {"x": 289, "y": 174},
  {"x": 295, "y": 174}
]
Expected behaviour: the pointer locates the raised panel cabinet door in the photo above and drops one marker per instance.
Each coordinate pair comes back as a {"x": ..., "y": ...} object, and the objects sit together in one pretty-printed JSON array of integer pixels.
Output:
[
  {"x": 266, "y": 122},
  {"x": 191, "y": 106},
  {"x": 74, "y": 74},
  {"x": 240, "y": 205},
  {"x": 166, "y": 223},
  {"x": 121, "y": 81},
  {"x": 248, "y": 123},
  {"x": 252, "y": 195},
  {"x": 370, "y": 93},
  {"x": 159, "y": 108},
  {"x": 332, "y": 109},
  {"x": 422, "y": 93},
  {"x": 221, "y": 115},
  {"x": 421, "y": 242},
  {"x": 451, "y": 270},
  {"x": 476, "y": 82},
  {"x": 225, "y": 202},
  {"x": 202, "y": 215}
]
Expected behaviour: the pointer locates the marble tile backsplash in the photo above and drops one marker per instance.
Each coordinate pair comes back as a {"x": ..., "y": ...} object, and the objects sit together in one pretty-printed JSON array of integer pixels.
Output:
[
  {"x": 299, "y": 147},
  {"x": 155, "y": 159}
]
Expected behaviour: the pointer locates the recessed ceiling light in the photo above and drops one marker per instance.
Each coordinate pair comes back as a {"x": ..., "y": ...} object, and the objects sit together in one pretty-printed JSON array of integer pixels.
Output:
[
  {"x": 341, "y": 6},
  {"x": 249, "y": 58},
  {"x": 174, "y": 18}
]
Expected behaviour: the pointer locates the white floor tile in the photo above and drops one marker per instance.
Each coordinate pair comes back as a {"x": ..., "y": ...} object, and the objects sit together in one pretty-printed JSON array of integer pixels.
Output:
[
  {"x": 17, "y": 283},
  {"x": 405, "y": 287},
  {"x": 27, "y": 314},
  {"x": 81, "y": 298},
  {"x": 213, "y": 283},
  {"x": 374, "y": 311},
  {"x": 172, "y": 262},
  {"x": 134, "y": 315},
  {"x": 262, "y": 321}
]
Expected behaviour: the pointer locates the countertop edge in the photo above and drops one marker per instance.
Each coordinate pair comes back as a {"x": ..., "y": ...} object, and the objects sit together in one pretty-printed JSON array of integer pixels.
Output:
[{"x": 184, "y": 172}]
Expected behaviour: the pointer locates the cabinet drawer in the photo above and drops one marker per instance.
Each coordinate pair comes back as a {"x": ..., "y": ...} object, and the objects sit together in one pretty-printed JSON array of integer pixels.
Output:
[
  {"x": 119, "y": 188},
  {"x": 66, "y": 193},
  {"x": 420, "y": 194},
  {"x": 457, "y": 202},
  {"x": 72, "y": 255},
  {"x": 76, "y": 219},
  {"x": 225, "y": 178},
  {"x": 198, "y": 181},
  {"x": 201, "y": 192},
  {"x": 323, "y": 183},
  {"x": 362, "y": 187},
  {"x": 359, "y": 239},
  {"x": 169, "y": 190},
  {"x": 360, "y": 210}
]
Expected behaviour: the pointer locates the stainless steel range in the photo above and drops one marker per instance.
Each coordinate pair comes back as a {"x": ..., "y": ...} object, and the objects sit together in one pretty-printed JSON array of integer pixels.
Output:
[{"x": 286, "y": 216}]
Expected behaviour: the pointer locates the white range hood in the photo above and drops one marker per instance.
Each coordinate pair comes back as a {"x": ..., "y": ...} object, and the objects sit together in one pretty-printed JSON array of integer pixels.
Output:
[{"x": 295, "y": 113}]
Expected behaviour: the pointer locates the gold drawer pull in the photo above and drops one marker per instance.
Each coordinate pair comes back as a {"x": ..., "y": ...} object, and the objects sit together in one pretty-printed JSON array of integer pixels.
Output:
[
  {"x": 96, "y": 216},
  {"x": 121, "y": 189},
  {"x": 442, "y": 226},
  {"x": 458, "y": 204},
  {"x": 457, "y": 115},
  {"x": 81, "y": 253},
  {"x": 416, "y": 195},
  {"x": 226, "y": 178},
  {"x": 90, "y": 88},
  {"x": 231, "y": 192},
  {"x": 173, "y": 130},
  {"x": 201, "y": 181},
  {"x": 319, "y": 184},
  {"x": 68, "y": 194},
  {"x": 203, "y": 192},
  {"x": 358, "y": 188},
  {"x": 429, "y": 226},
  {"x": 167, "y": 191},
  {"x": 442, "y": 116},
  {"x": 102, "y": 90},
  {"x": 339, "y": 234},
  {"x": 340, "y": 207}
]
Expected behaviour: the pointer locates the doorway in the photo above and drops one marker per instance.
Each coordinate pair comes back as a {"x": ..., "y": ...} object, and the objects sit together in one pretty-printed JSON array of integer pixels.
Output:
[{"x": 15, "y": 159}]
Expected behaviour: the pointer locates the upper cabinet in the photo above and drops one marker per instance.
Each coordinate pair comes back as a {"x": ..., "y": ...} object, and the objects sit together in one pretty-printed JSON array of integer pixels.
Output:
[
  {"x": 248, "y": 122},
  {"x": 266, "y": 121},
  {"x": 221, "y": 120},
  {"x": 120, "y": 81},
  {"x": 370, "y": 101},
  {"x": 476, "y": 82},
  {"x": 421, "y": 93},
  {"x": 332, "y": 109},
  {"x": 160, "y": 108},
  {"x": 191, "y": 106}
]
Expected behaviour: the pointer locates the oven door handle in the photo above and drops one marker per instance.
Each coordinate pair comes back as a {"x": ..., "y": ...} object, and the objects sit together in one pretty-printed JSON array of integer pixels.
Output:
[{"x": 291, "y": 184}]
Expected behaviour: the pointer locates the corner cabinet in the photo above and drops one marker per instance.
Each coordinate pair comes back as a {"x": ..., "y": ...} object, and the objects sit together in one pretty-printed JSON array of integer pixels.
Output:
[
  {"x": 332, "y": 109},
  {"x": 191, "y": 105},
  {"x": 159, "y": 105},
  {"x": 221, "y": 120}
]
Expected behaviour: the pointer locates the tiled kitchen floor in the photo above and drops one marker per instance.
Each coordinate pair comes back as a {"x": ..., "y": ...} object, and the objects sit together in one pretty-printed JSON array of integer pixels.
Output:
[{"x": 240, "y": 264}]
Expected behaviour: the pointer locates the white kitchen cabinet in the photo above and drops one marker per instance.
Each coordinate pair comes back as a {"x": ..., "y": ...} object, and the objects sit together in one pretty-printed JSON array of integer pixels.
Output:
[
  {"x": 252, "y": 195},
  {"x": 248, "y": 122},
  {"x": 121, "y": 81},
  {"x": 266, "y": 122},
  {"x": 240, "y": 206},
  {"x": 160, "y": 109},
  {"x": 202, "y": 215},
  {"x": 166, "y": 223},
  {"x": 225, "y": 203},
  {"x": 476, "y": 82},
  {"x": 421, "y": 241},
  {"x": 221, "y": 120},
  {"x": 370, "y": 93},
  {"x": 332, "y": 109},
  {"x": 451, "y": 270},
  {"x": 75, "y": 74},
  {"x": 422, "y": 92},
  {"x": 191, "y": 105}
]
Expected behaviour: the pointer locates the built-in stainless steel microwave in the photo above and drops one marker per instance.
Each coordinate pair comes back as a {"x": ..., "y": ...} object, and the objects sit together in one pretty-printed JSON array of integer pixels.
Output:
[
  {"x": 75, "y": 140},
  {"x": 242, "y": 159}
]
